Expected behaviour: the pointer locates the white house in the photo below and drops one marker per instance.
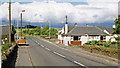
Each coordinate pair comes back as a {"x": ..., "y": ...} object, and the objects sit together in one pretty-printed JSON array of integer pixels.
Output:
[
  {"x": 109, "y": 30},
  {"x": 79, "y": 35}
]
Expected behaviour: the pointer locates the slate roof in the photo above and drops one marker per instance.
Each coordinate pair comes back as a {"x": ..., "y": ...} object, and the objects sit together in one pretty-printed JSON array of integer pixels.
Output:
[
  {"x": 109, "y": 29},
  {"x": 90, "y": 30},
  {"x": 4, "y": 29}
]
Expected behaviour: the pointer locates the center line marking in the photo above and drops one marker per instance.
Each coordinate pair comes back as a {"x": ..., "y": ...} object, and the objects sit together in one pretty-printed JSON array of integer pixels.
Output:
[
  {"x": 47, "y": 49},
  {"x": 79, "y": 63},
  {"x": 42, "y": 46},
  {"x": 59, "y": 54}
]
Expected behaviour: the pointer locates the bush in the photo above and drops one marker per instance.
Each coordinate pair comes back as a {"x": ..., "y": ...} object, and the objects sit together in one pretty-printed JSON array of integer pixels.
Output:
[
  {"x": 6, "y": 46},
  {"x": 106, "y": 44},
  {"x": 113, "y": 42},
  {"x": 99, "y": 43}
]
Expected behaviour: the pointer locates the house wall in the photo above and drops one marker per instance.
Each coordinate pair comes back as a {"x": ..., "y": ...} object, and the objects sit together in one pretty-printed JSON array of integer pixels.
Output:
[
  {"x": 63, "y": 30},
  {"x": 108, "y": 38},
  {"x": 91, "y": 38},
  {"x": 59, "y": 37},
  {"x": 66, "y": 28},
  {"x": 66, "y": 40},
  {"x": 84, "y": 39}
]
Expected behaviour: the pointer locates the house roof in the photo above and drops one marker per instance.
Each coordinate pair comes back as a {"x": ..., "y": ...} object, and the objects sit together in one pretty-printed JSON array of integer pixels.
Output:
[
  {"x": 109, "y": 29},
  {"x": 79, "y": 30},
  {"x": 4, "y": 29}
]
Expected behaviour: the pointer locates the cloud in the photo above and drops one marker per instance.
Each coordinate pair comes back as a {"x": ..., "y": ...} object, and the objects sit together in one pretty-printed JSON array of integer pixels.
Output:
[{"x": 94, "y": 12}]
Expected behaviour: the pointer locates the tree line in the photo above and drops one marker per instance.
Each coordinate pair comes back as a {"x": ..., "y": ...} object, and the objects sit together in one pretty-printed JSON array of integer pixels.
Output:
[{"x": 45, "y": 31}]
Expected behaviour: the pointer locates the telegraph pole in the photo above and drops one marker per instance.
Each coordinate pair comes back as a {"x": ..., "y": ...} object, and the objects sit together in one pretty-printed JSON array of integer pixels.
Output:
[
  {"x": 21, "y": 24},
  {"x": 49, "y": 30},
  {"x": 9, "y": 21}
]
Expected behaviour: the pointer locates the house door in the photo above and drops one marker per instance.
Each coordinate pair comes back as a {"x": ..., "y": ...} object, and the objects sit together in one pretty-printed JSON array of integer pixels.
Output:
[{"x": 101, "y": 37}]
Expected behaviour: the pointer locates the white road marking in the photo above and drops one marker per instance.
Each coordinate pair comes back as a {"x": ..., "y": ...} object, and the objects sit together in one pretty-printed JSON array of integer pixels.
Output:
[
  {"x": 47, "y": 49},
  {"x": 59, "y": 54},
  {"x": 79, "y": 63},
  {"x": 42, "y": 46}
]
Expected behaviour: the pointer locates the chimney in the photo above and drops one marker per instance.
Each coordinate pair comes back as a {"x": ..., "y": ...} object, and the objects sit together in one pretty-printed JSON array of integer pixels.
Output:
[
  {"x": 113, "y": 26},
  {"x": 75, "y": 24},
  {"x": 66, "y": 26},
  {"x": 86, "y": 25},
  {"x": 66, "y": 19}
]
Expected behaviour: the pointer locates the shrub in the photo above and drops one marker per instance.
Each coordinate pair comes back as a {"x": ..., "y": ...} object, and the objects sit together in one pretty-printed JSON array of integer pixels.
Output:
[
  {"x": 88, "y": 43},
  {"x": 6, "y": 46},
  {"x": 113, "y": 42},
  {"x": 99, "y": 43},
  {"x": 106, "y": 44}
]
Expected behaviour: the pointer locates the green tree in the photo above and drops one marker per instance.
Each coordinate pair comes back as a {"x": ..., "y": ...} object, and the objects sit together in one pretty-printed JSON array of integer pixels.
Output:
[
  {"x": 117, "y": 24},
  {"x": 38, "y": 30},
  {"x": 53, "y": 32}
]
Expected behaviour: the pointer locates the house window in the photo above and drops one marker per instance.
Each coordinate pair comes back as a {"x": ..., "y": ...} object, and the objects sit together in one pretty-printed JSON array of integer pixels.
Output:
[
  {"x": 104, "y": 38},
  {"x": 75, "y": 38},
  {"x": 79, "y": 38}
]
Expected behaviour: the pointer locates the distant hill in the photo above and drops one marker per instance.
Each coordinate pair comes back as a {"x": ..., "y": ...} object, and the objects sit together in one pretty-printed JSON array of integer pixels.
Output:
[{"x": 59, "y": 25}]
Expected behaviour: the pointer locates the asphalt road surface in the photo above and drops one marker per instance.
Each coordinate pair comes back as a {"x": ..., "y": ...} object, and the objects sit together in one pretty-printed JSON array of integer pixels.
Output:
[{"x": 43, "y": 53}]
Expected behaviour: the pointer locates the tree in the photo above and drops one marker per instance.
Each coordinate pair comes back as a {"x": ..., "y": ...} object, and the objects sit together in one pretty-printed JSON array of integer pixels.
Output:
[
  {"x": 117, "y": 24},
  {"x": 38, "y": 30}
]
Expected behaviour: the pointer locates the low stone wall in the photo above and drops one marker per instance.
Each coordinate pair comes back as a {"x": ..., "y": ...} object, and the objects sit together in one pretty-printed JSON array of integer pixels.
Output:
[{"x": 9, "y": 57}]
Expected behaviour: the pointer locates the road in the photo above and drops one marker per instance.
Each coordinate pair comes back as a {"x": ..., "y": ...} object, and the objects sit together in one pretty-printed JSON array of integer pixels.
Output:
[{"x": 43, "y": 53}]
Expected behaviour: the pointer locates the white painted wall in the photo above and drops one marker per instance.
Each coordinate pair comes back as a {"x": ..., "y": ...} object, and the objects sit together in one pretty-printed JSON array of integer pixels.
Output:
[
  {"x": 66, "y": 40},
  {"x": 63, "y": 30},
  {"x": 112, "y": 38},
  {"x": 84, "y": 39},
  {"x": 108, "y": 38},
  {"x": 91, "y": 38},
  {"x": 66, "y": 28},
  {"x": 59, "y": 37}
]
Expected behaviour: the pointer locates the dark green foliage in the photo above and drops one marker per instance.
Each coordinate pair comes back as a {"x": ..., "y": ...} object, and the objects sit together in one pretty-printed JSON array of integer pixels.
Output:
[
  {"x": 30, "y": 26},
  {"x": 99, "y": 43},
  {"x": 113, "y": 42},
  {"x": 117, "y": 23},
  {"x": 106, "y": 44},
  {"x": 6, "y": 46},
  {"x": 42, "y": 31}
]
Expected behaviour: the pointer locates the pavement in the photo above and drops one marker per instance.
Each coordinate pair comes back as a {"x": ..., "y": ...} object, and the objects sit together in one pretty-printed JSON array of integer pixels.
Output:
[{"x": 41, "y": 52}]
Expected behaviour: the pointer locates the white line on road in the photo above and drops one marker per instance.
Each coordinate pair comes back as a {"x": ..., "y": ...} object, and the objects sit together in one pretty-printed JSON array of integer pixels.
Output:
[
  {"x": 79, "y": 63},
  {"x": 42, "y": 46},
  {"x": 47, "y": 49},
  {"x": 59, "y": 54}
]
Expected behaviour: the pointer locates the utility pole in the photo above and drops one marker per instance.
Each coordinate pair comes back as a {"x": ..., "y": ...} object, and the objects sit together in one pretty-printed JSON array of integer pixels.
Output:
[
  {"x": 14, "y": 23},
  {"x": 49, "y": 30},
  {"x": 9, "y": 21},
  {"x": 21, "y": 24},
  {"x": 41, "y": 28},
  {"x": 26, "y": 29}
]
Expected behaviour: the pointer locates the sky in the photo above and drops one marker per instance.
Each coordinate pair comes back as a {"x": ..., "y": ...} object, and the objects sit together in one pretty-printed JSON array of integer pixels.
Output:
[{"x": 95, "y": 11}]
